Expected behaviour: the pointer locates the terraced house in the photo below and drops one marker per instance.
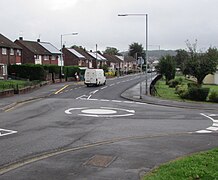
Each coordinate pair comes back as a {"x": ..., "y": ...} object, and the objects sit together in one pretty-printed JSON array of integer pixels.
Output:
[{"x": 10, "y": 53}]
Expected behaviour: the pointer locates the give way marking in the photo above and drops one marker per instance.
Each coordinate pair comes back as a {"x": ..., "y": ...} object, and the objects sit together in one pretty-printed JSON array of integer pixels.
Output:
[{"x": 5, "y": 132}]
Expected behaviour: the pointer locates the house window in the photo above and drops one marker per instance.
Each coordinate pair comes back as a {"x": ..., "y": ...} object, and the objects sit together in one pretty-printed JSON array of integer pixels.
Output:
[
  {"x": 18, "y": 52},
  {"x": 4, "y": 51},
  {"x": 46, "y": 57},
  {"x": 53, "y": 57},
  {"x": 11, "y": 52}
]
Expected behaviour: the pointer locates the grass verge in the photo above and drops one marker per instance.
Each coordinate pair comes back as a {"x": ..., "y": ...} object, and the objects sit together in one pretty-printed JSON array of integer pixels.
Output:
[
  {"x": 202, "y": 166},
  {"x": 13, "y": 84},
  {"x": 165, "y": 92}
]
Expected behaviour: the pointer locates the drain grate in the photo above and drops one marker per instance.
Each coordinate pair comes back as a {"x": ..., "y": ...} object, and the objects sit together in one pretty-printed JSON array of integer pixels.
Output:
[{"x": 100, "y": 161}]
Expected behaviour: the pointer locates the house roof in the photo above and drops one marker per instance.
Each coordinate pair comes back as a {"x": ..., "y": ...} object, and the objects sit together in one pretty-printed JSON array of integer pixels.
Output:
[
  {"x": 7, "y": 43},
  {"x": 34, "y": 47},
  {"x": 52, "y": 49},
  {"x": 129, "y": 59},
  {"x": 76, "y": 53},
  {"x": 99, "y": 56},
  {"x": 112, "y": 58},
  {"x": 84, "y": 53}
]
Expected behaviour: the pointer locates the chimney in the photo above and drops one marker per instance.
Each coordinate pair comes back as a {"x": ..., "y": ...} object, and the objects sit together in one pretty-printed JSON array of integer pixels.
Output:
[
  {"x": 21, "y": 38},
  {"x": 38, "y": 40}
]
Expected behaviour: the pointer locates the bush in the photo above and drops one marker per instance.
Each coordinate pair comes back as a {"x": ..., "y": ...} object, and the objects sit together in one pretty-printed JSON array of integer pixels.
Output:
[
  {"x": 197, "y": 93},
  {"x": 182, "y": 91},
  {"x": 28, "y": 71},
  {"x": 213, "y": 97},
  {"x": 174, "y": 82}
]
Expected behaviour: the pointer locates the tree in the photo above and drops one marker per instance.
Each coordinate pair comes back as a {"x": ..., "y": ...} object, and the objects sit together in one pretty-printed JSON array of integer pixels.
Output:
[
  {"x": 167, "y": 67},
  {"x": 181, "y": 58},
  {"x": 199, "y": 65},
  {"x": 136, "y": 49},
  {"x": 111, "y": 51}
]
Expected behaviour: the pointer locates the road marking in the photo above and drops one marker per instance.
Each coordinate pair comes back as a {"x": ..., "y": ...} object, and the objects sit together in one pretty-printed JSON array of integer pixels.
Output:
[
  {"x": 212, "y": 128},
  {"x": 93, "y": 92},
  {"x": 203, "y": 131},
  {"x": 5, "y": 132},
  {"x": 104, "y": 87},
  {"x": 61, "y": 89},
  {"x": 108, "y": 112},
  {"x": 106, "y": 100},
  {"x": 116, "y": 101}
]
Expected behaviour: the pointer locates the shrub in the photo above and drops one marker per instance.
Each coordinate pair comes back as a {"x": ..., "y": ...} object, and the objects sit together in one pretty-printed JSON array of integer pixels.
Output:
[
  {"x": 174, "y": 82},
  {"x": 197, "y": 93},
  {"x": 213, "y": 97},
  {"x": 182, "y": 91},
  {"x": 28, "y": 71}
]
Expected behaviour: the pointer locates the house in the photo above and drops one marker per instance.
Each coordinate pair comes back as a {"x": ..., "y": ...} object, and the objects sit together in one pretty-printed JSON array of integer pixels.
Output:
[
  {"x": 114, "y": 63},
  {"x": 99, "y": 59},
  {"x": 36, "y": 52},
  {"x": 55, "y": 57},
  {"x": 74, "y": 58},
  {"x": 130, "y": 64},
  {"x": 10, "y": 53}
]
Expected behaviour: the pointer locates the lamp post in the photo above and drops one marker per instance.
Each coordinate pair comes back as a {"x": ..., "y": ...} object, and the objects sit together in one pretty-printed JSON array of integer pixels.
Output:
[
  {"x": 70, "y": 34},
  {"x": 146, "y": 45}
]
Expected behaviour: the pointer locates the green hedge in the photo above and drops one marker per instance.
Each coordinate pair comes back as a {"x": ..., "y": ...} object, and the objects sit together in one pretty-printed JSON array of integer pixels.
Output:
[
  {"x": 28, "y": 71},
  {"x": 69, "y": 71}
]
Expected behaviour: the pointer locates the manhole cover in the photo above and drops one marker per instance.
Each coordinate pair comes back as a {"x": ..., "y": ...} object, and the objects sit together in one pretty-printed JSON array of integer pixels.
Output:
[{"x": 100, "y": 161}]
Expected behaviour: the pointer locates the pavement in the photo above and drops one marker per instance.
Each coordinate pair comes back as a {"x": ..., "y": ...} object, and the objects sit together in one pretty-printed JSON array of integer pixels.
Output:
[{"x": 132, "y": 94}]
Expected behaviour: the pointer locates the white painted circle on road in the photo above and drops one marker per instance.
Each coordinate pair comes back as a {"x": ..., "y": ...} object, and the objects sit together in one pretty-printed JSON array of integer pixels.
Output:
[
  {"x": 109, "y": 112},
  {"x": 99, "y": 111}
]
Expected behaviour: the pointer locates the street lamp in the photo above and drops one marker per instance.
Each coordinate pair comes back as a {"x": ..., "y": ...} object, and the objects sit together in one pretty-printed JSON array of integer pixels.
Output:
[
  {"x": 70, "y": 34},
  {"x": 146, "y": 45}
]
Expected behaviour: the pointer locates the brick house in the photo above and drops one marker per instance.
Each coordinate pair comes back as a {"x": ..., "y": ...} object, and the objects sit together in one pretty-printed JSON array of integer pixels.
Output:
[
  {"x": 36, "y": 52},
  {"x": 10, "y": 53},
  {"x": 55, "y": 57},
  {"x": 74, "y": 58},
  {"x": 99, "y": 59},
  {"x": 114, "y": 63},
  {"x": 90, "y": 61}
]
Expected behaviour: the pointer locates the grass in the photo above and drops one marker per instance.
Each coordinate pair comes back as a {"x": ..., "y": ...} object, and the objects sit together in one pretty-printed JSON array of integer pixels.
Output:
[
  {"x": 10, "y": 84},
  {"x": 202, "y": 166},
  {"x": 164, "y": 92}
]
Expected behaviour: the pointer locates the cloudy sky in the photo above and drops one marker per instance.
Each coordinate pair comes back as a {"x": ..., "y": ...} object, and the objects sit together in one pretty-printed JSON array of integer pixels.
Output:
[{"x": 171, "y": 22}]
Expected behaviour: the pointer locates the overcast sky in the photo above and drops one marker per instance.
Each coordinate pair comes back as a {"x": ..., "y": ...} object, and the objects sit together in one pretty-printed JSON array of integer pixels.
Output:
[{"x": 171, "y": 22}]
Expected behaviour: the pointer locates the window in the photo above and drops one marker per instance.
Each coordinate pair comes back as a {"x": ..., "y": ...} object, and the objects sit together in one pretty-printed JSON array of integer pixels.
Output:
[
  {"x": 53, "y": 57},
  {"x": 4, "y": 51},
  {"x": 46, "y": 57},
  {"x": 18, "y": 52},
  {"x": 11, "y": 52}
]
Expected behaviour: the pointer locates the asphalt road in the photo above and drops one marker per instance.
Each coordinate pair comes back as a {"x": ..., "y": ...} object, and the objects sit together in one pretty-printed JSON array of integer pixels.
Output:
[{"x": 92, "y": 133}]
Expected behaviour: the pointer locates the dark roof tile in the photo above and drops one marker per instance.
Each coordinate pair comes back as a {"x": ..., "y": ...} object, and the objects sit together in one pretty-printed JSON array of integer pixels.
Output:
[{"x": 7, "y": 43}]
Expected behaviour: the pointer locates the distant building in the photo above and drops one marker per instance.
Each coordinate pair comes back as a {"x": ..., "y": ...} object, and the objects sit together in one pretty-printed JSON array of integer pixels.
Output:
[{"x": 10, "y": 53}]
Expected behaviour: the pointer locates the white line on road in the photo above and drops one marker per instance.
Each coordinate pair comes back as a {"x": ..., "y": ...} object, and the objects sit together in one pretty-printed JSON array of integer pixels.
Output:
[{"x": 5, "y": 132}]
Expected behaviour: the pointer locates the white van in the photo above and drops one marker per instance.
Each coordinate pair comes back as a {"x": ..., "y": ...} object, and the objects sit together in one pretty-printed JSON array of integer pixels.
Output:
[{"x": 94, "y": 77}]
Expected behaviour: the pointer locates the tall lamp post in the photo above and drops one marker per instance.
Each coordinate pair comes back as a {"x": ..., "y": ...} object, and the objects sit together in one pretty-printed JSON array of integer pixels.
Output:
[
  {"x": 62, "y": 60},
  {"x": 146, "y": 45}
]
